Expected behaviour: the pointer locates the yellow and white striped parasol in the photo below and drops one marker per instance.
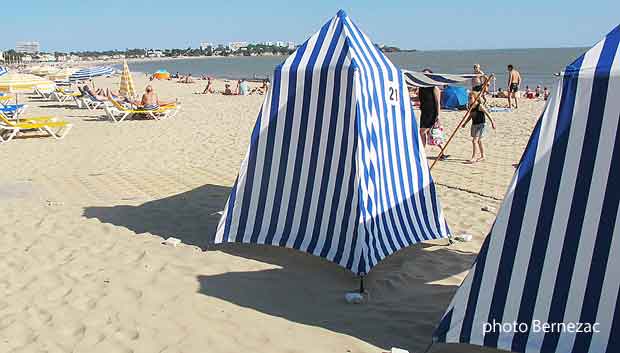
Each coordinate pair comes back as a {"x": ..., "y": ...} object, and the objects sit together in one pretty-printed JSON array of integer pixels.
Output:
[
  {"x": 126, "y": 88},
  {"x": 14, "y": 82}
]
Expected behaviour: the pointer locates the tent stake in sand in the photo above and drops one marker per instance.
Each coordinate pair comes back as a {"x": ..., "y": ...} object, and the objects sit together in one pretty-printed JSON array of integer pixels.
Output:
[{"x": 485, "y": 86}]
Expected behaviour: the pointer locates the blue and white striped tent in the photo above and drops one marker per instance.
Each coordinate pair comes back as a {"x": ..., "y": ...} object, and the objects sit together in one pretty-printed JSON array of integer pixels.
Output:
[
  {"x": 553, "y": 255},
  {"x": 335, "y": 166},
  {"x": 90, "y": 72},
  {"x": 3, "y": 70}
]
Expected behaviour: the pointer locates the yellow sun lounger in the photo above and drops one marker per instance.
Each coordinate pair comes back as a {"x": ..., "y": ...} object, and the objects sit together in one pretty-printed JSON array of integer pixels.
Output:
[
  {"x": 50, "y": 125},
  {"x": 116, "y": 112}
]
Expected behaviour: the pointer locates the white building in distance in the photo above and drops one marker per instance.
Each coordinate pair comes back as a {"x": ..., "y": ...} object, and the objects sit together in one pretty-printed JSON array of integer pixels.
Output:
[
  {"x": 234, "y": 46},
  {"x": 27, "y": 47},
  {"x": 205, "y": 45}
]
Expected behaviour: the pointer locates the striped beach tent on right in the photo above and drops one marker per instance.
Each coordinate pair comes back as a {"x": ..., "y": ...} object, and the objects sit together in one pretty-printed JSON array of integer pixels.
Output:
[{"x": 547, "y": 278}]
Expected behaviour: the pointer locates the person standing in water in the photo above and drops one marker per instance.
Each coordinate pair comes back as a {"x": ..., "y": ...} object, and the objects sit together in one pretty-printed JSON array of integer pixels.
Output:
[{"x": 514, "y": 80}]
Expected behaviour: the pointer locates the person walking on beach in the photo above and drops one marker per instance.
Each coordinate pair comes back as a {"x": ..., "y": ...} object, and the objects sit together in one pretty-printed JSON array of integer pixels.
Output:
[
  {"x": 209, "y": 88},
  {"x": 514, "y": 80},
  {"x": 477, "y": 115}
]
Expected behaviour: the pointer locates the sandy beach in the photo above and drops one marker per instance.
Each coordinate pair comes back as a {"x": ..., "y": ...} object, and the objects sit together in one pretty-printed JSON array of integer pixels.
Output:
[{"x": 83, "y": 221}]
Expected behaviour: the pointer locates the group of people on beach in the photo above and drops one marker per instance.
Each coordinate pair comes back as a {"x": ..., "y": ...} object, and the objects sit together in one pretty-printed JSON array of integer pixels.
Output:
[
  {"x": 431, "y": 131},
  {"x": 429, "y": 98},
  {"x": 242, "y": 88}
]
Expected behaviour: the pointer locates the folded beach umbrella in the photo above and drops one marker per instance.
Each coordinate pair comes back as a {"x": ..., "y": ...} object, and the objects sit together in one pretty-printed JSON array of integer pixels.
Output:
[
  {"x": 90, "y": 72},
  {"x": 126, "y": 88},
  {"x": 547, "y": 278},
  {"x": 424, "y": 79},
  {"x": 335, "y": 166}
]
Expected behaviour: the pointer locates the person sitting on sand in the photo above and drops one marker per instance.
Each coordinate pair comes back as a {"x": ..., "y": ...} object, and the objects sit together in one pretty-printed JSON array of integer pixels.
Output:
[
  {"x": 227, "y": 90},
  {"x": 529, "y": 94},
  {"x": 538, "y": 91},
  {"x": 545, "y": 93},
  {"x": 477, "y": 115},
  {"x": 187, "y": 79},
  {"x": 263, "y": 88},
  {"x": 209, "y": 88},
  {"x": 501, "y": 94}
]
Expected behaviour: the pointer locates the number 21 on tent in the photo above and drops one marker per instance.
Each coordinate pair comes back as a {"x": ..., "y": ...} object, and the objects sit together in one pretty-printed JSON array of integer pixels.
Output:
[{"x": 393, "y": 93}]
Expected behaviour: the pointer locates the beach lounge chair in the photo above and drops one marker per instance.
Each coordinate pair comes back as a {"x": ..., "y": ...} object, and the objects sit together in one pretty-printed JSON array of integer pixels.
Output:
[
  {"x": 62, "y": 95},
  {"x": 12, "y": 110},
  {"x": 56, "y": 128},
  {"x": 43, "y": 93},
  {"x": 116, "y": 112},
  {"x": 88, "y": 101}
]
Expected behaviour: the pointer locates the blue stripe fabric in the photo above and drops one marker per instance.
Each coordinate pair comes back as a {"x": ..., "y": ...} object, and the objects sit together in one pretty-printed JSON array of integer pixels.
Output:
[
  {"x": 90, "y": 72},
  {"x": 423, "y": 79},
  {"x": 335, "y": 167},
  {"x": 553, "y": 253},
  {"x": 3, "y": 70}
]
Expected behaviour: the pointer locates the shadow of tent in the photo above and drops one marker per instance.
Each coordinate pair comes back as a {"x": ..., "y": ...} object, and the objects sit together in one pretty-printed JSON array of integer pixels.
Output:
[
  {"x": 405, "y": 304},
  {"x": 404, "y": 308},
  {"x": 191, "y": 216}
]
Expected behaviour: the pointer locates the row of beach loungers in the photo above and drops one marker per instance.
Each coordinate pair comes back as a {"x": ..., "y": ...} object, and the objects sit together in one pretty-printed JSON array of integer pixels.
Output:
[{"x": 13, "y": 123}]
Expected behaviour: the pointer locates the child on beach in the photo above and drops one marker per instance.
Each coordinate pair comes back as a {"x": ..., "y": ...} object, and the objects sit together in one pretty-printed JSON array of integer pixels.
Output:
[{"x": 477, "y": 115}]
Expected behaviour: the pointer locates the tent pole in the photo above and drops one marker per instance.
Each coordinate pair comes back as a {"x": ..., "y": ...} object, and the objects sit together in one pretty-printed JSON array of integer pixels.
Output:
[
  {"x": 362, "y": 290},
  {"x": 428, "y": 348},
  {"x": 485, "y": 86}
]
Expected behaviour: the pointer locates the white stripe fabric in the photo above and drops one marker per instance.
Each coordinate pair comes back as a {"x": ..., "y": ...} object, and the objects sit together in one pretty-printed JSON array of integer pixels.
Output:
[
  {"x": 424, "y": 79},
  {"x": 90, "y": 72},
  {"x": 552, "y": 254},
  {"x": 335, "y": 166}
]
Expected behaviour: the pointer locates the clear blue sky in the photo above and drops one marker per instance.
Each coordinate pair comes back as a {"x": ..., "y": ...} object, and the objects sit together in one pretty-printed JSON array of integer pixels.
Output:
[{"x": 416, "y": 24}]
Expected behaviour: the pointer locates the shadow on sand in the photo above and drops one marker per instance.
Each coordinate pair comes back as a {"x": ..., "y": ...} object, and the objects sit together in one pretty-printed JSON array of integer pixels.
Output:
[
  {"x": 405, "y": 304},
  {"x": 191, "y": 216}
]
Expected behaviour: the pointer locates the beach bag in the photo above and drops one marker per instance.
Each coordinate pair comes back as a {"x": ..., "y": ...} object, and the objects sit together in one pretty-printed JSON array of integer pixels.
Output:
[{"x": 436, "y": 135}]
